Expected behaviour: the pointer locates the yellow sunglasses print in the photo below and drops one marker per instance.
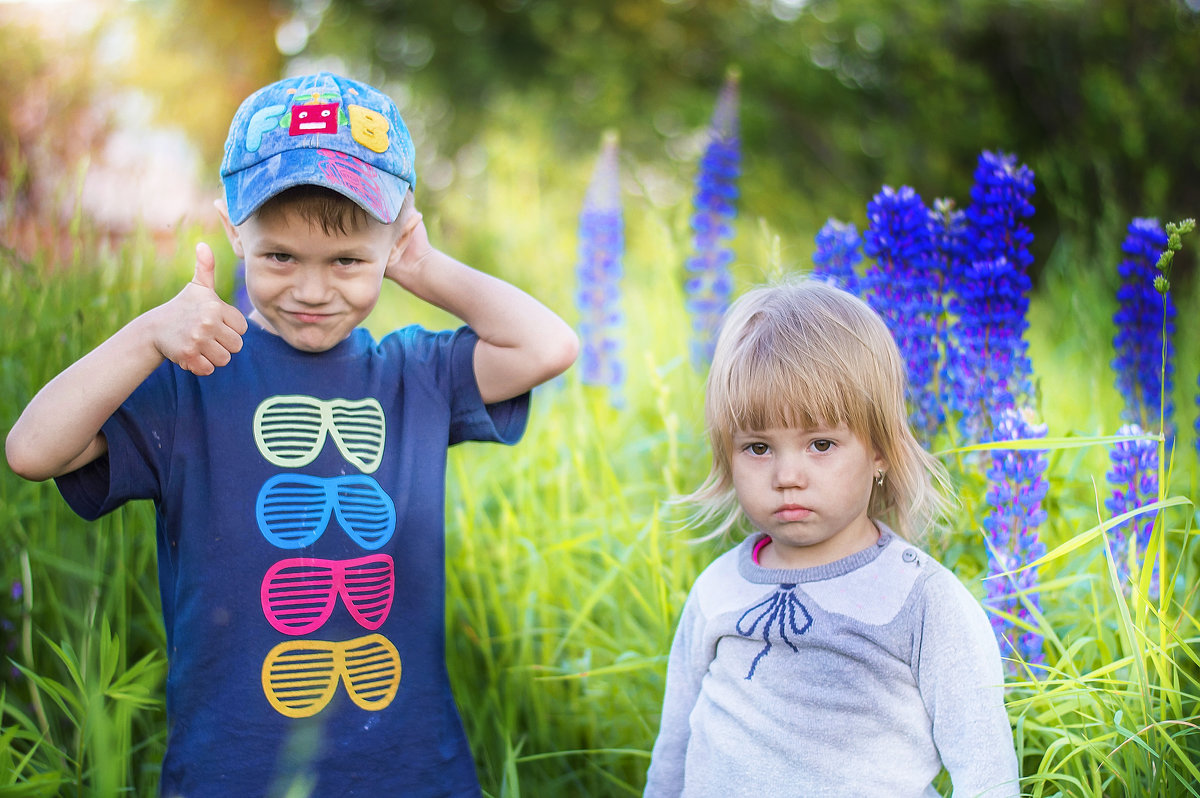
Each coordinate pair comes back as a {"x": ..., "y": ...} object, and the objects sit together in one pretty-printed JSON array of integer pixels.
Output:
[
  {"x": 290, "y": 430},
  {"x": 299, "y": 677}
]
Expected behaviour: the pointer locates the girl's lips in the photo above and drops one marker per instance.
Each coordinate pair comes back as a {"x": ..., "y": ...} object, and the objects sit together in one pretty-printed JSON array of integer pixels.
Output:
[{"x": 792, "y": 512}]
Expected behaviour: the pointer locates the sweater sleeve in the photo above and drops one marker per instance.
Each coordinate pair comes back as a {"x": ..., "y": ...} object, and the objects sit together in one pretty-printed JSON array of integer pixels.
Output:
[
  {"x": 962, "y": 685},
  {"x": 685, "y": 673}
]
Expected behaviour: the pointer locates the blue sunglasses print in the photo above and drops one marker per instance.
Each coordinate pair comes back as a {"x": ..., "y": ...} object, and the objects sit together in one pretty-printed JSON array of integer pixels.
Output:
[{"x": 293, "y": 510}]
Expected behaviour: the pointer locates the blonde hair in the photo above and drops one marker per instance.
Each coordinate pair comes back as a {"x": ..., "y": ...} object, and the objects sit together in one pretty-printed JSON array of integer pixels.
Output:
[{"x": 802, "y": 353}]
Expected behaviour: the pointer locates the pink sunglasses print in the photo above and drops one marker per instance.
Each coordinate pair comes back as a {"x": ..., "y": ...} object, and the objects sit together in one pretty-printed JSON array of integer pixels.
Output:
[{"x": 298, "y": 594}]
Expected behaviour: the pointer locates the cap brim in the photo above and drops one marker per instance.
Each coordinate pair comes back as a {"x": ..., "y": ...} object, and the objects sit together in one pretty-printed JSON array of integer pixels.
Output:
[{"x": 379, "y": 193}]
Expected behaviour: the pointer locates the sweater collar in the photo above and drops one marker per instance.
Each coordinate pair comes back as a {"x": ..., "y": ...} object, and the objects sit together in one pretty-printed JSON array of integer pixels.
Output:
[{"x": 753, "y": 572}]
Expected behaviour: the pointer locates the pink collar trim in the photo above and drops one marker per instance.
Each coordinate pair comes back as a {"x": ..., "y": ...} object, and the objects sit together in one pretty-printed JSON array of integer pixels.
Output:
[{"x": 758, "y": 547}]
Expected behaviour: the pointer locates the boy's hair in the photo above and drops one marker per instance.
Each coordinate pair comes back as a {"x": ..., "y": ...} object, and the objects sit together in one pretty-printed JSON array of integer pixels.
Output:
[
  {"x": 321, "y": 207},
  {"x": 802, "y": 353}
]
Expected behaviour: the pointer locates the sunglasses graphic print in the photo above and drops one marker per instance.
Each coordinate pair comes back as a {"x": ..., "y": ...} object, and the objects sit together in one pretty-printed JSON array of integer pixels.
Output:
[
  {"x": 298, "y": 595},
  {"x": 291, "y": 430},
  {"x": 293, "y": 510},
  {"x": 299, "y": 677}
]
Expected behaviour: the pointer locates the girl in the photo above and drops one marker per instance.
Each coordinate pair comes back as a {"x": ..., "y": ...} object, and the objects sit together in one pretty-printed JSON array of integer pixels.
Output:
[{"x": 825, "y": 654}]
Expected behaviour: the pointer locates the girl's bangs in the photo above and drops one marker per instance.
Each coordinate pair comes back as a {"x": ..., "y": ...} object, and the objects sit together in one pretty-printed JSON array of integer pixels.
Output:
[{"x": 787, "y": 390}]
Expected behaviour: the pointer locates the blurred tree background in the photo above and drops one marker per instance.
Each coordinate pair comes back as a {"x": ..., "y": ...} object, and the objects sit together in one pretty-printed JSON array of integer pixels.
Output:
[{"x": 1100, "y": 98}]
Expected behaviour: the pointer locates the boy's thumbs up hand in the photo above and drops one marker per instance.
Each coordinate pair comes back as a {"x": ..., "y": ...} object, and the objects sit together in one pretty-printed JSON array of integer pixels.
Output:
[
  {"x": 206, "y": 268},
  {"x": 197, "y": 330}
]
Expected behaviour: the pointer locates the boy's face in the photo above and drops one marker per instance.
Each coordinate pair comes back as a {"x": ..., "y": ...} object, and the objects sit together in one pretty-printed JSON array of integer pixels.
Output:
[
  {"x": 307, "y": 286},
  {"x": 808, "y": 489}
]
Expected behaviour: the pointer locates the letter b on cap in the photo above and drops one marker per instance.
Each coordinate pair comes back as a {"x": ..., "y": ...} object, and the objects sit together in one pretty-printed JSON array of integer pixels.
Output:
[{"x": 369, "y": 128}]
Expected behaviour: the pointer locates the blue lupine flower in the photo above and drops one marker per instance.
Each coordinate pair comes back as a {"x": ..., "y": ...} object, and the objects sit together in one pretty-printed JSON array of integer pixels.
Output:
[
  {"x": 999, "y": 201},
  {"x": 1141, "y": 359},
  {"x": 901, "y": 287},
  {"x": 837, "y": 254},
  {"x": 8, "y": 630},
  {"x": 241, "y": 299},
  {"x": 988, "y": 366},
  {"x": 710, "y": 283},
  {"x": 1134, "y": 481},
  {"x": 951, "y": 248},
  {"x": 1016, "y": 488},
  {"x": 599, "y": 272}
]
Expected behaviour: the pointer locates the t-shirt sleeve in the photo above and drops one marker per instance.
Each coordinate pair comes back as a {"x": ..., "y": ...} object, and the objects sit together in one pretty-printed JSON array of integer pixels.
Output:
[
  {"x": 471, "y": 419},
  {"x": 962, "y": 684},
  {"x": 139, "y": 437}
]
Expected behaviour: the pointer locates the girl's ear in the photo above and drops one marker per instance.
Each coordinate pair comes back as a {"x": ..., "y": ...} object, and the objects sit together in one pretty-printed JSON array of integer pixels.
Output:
[{"x": 231, "y": 232}]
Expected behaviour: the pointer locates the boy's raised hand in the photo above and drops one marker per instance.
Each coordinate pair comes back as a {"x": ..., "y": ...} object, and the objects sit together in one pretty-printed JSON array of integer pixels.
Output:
[
  {"x": 522, "y": 343},
  {"x": 197, "y": 329}
]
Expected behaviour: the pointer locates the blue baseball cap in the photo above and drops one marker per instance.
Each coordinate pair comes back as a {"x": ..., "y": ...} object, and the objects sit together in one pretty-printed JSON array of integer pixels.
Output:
[{"x": 321, "y": 130}]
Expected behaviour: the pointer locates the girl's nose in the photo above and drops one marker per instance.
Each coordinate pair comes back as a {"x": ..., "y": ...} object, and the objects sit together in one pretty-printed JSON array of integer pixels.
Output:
[{"x": 789, "y": 473}]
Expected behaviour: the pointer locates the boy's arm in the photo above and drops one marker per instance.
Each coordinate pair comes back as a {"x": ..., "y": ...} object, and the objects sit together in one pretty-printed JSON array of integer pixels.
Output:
[
  {"x": 59, "y": 431},
  {"x": 522, "y": 343}
]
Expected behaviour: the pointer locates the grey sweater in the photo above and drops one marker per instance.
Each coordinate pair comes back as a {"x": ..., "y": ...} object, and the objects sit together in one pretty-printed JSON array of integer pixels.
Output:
[{"x": 863, "y": 677}]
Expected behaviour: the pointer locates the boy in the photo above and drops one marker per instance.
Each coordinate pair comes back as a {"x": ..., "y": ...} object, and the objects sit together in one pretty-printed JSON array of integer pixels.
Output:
[{"x": 296, "y": 465}]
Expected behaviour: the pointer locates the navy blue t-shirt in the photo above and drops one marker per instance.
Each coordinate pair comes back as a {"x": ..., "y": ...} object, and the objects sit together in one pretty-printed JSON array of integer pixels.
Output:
[{"x": 300, "y": 503}]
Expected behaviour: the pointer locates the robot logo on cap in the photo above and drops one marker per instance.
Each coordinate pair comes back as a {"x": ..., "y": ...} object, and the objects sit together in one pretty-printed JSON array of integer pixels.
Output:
[{"x": 319, "y": 112}]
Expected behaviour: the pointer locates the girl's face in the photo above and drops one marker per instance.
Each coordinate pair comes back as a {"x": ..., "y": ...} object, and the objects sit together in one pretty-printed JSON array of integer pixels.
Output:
[{"x": 808, "y": 489}]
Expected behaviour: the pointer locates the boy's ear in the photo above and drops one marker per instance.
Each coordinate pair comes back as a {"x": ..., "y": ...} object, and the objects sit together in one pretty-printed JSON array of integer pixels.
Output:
[
  {"x": 408, "y": 224},
  {"x": 409, "y": 218},
  {"x": 231, "y": 232}
]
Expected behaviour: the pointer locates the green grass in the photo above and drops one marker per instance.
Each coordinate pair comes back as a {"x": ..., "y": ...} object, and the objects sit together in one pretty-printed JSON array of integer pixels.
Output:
[
  {"x": 82, "y": 712},
  {"x": 567, "y": 569}
]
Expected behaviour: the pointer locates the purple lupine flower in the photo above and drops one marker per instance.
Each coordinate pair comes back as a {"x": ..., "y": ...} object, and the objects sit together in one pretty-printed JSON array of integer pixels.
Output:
[
  {"x": 710, "y": 284},
  {"x": 241, "y": 299},
  {"x": 1000, "y": 200},
  {"x": 837, "y": 254},
  {"x": 599, "y": 272},
  {"x": 1016, "y": 488},
  {"x": 8, "y": 630},
  {"x": 1141, "y": 357},
  {"x": 901, "y": 287},
  {"x": 989, "y": 366},
  {"x": 951, "y": 247},
  {"x": 1134, "y": 481}
]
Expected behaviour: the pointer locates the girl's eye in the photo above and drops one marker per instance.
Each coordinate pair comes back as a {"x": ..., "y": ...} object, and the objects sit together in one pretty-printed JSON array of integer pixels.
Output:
[
  {"x": 346, "y": 261},
  {"x": 758, "y": 448},
  {"x": 822, "y": 445}
]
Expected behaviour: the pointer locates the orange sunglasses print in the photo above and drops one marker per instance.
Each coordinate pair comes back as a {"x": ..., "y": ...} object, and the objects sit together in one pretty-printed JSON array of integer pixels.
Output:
[{"x": 299, "y": 677}]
